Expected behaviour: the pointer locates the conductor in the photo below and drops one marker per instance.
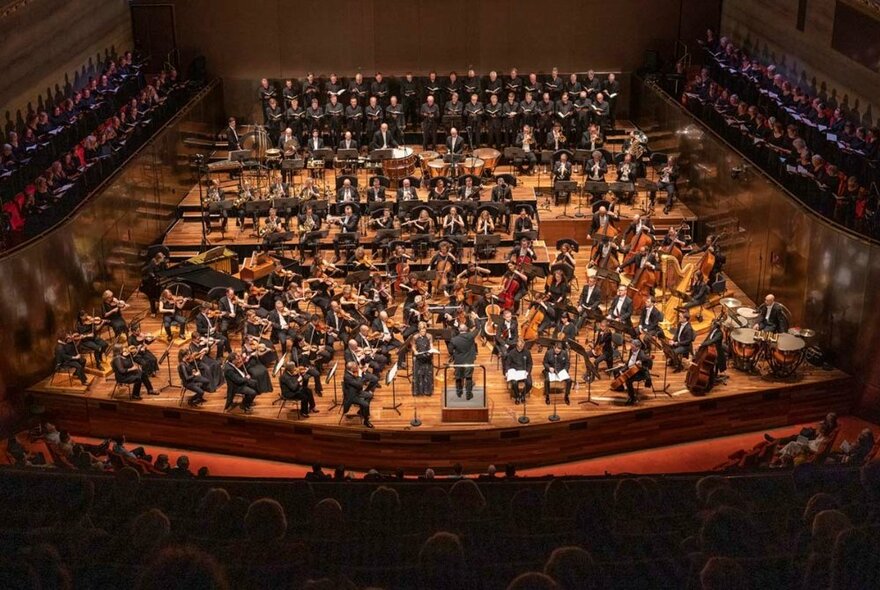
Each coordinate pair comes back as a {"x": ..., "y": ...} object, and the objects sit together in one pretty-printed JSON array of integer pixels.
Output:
[{"x": 464, "y": 352}]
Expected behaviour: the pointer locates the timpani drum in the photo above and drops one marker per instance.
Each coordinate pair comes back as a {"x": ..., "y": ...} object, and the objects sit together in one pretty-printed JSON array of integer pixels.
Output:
[
  {"x": 746, "y": 316},
  {"x": 424, "y": 158},
  {"x": 437, "y": 168},
  {"x": 473, "y": 166},
  {"x": 744, "y": 348},
  {"x": 786, "y": 354},
  {"x": 490, "y": 159},
  {"x": 401, "y": 164}
]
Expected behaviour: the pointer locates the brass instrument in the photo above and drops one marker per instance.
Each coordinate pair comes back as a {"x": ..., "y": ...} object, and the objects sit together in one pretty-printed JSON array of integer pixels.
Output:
[
  {"x": 244, "y": 196},
  {"x": 636, "y": 149},
  {"x": 269, "y": 227}
]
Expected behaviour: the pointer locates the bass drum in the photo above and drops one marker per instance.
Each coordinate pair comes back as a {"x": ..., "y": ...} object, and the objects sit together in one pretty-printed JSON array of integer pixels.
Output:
[
  {"x": 744, "y": 348},
  {"x": 786, "y": 354},
  {"x": 490, "y": 159}
]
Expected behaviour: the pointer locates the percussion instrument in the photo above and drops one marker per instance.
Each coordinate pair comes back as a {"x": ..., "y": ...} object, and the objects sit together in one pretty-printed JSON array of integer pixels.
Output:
[
  {"x": 402, "y": 163},
  {"x": 745, "y": 347},
  {"x": 802, "y": 332},
  {"x": 490, "y": 158},
  {"x": 731, "y": 303},
  {"x": 273, "y": 155},
  {"x": 257, "y": 141},
  {"x": 424, "y": 158},
  {"x": 786, "y": 354},
  {"x": 437, "y": 168},
  {"x": 745, "y": 316},
  {"x": 473, "y": 166}
]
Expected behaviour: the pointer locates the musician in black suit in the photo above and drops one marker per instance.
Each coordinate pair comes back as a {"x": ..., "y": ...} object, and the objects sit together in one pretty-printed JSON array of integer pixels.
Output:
[
  {"x": 603, "y": 348},
  {"x": 316, "y": 142},
  {"x": 715, "y": 338},
  {"x": 621, "y": 307},
  {"x": 348, "y": 142},
  {"x": 429, "y": 114},
  {"x": 637, "y": 357},
  {"x": 473, "y": 111},
  {"x": 682, "y": 340},
  {"x": 293, "y": 387},
  {"x": 596, "y": 168},
  {"x": 205, "y": 326},
  {"x": 668, "y": 178},
  {"x": 556, "y": 360},
  {"x": 699, "y": 292},
  {"x": 591, "y": 297},
  {"x": 357, "y": 390},
  {"x": 396, "y": 119},
  {"x": 231, "y": 314},
  {"x": 650, "y": 318},
  {"x": 282, "y": 330},
  {"x": 501, "y": 193},
  {"x": 191, "y": 378},
  {"x": 67, "y": 356},
  {"x": 125, "y": 370},
  {"x": 348, "y": 224},
  {"x": 238, "y": 382},
  {"x": 454, "y": 143},
  {"x": 506, "y": 333},
  {"x": 463, "y": 347},
  {"x": 383, "y": 139},
  {"x": 602, "y": 219},
  {"x": 519, "y": 359},
  {"x": 233, "y": 141},
  {"x": 772, "y": 318},
  {"x": 561, "y": 173}
]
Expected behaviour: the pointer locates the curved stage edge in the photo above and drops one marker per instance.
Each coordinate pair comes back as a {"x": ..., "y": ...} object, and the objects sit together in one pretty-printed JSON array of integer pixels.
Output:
[{"x": 536, "y": 444}]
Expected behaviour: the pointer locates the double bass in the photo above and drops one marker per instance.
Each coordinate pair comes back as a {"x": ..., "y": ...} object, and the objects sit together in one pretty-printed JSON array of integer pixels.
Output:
[{"x": 699, "y": 374}]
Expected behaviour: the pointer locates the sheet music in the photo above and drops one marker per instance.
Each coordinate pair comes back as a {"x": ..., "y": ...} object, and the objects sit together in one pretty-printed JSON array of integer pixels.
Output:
[
  {"x": 559, "y": 376},
  {"x": 515, "y": 375}
]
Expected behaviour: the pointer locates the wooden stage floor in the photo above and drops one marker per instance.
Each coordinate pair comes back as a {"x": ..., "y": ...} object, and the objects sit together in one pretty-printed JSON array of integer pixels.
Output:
[{"x": 667, "y": 416}]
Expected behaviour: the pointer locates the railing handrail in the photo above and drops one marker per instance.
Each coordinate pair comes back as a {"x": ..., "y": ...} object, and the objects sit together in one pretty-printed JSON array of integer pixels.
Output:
[
  {"x": 666, "y": 96},
  {"x": 184, "y": 110}
]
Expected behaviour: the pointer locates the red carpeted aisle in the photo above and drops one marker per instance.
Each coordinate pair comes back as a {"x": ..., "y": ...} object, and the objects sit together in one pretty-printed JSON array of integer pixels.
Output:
[{"x": 688, "y": 457}]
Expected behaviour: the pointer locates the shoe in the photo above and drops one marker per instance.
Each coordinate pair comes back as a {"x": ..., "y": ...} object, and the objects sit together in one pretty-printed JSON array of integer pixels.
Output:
[
  {"x": 249, "y": 410},
  {"x": 368, "y": 424},
  {"x": 303, "y": 414},
  {"x": 769, "y": 438},
  {"x": 137, "y": 397},
  {"x": 567, "y": 401},
  {"x": 226, "y": 407},
  {"x": 547, "y": 399},
  {"x": 630, "y": 402},
  {"x": 152, "y": 392},
  {"x": 84, "y": 382},
  {"x": 314, "y": 411},
  {"x": 516, "y": 400},
  {"x": 469, "y": 396},
  {"x": 193, "y": 403},
  {"x": 458, "y": 393}
]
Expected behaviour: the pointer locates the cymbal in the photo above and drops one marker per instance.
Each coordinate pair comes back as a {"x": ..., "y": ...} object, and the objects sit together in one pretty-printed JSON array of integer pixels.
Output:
[
  {"x": 802, "y": 332},
  {"x": 731, "y": 302}
]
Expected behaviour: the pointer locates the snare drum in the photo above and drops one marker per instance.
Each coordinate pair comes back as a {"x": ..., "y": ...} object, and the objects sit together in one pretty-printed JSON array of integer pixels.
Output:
[
  {"x": 473, "y": 166},
  {"x": 786, "y": 354},
  {"x": 744, "y": 348},
  {"x": 437, "y": 168},
  {"x": 490, "y": 158}
]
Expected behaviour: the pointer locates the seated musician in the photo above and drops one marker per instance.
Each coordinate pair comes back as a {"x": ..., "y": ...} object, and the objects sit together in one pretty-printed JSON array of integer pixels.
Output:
[
  {"x": 288, "y": 143},
  {"x": 712, "y": 245},
  {"x": 469, "y": 192},
  {"x": 383, "y": 139},
  {"x": 316, "y": 142},
  {"x": 348, "y": 224},
  {"x": 384, "y": 221},
  {"x": 111, "y": 310},
  {"x": 621, "y": 307},
  {"x": 557, "y": 290},
  {"x": 348, "y": 142},
  {"x": 407, "y": 192},
  {"x": 347, "y": 193},
  {"x": 523, "y": 252},
  {"x": 387, "y": 340},
  {"x": 556, "y": 360},
  {"x": 513, "y": 273},
  {"x": 602, "y": 220},
  {"x": 555, "y": 139},
  {"x": 294, "y": 387},
  {"x": 172, "y": 313},
  {"x": 357, "y": 390},
  {"x": 564, "y": 256},
  {"x": 335, "y": 319},
  {"x": 191, "y": 379},
  {"x": 272, "y": 231},
  {"x": 205, "y": 325},
  {"x": 524, "y": 222},
  {"x": 86, "y": 329},
  {"x": 68, "y": 357},
  {"x": 309, "y": 191},
  {"x": 638, "y": 225},
  {"x": 627, "y": 171},
  {"x": 439, "y": 192},
  {"x": 453, "y": 223},
  {"x": 316, "y": 344},
  {"x": 376, "y": 192},
  {"x": 650, "y": 318},
  {"x": 501, "y": 193},
  {"x": 506, "y": 333},
  {"x": 561, "y": 173},
  {"x": 127, "y": 371},
  {"x": 423, "y": 224},
  {"x": 772, "y": 318},
  {"x": 637, "y": 358},
  {"x": 591, "y": 298},
  {"x": 525, "y": 139},
  {"x": 445, "y": 258},
  {"x": 519, "y": 358},
  {"x": 645, "y": 258},
  {"x": 592, "y": 138},
  {"x": 142, "y": 354},
  {"x": 596, "y": 168},
  {"x": 307, "y": 222},
  {"x": 214, "y": 195},
  {"x": 715, "y": 338},
  {"x": 283, "y": 325},
  {"x": 682, "y": 340},
  {"x": 239, "y": 382},
  {"x": 699, "y": 292},
  {"x": 602, "y": 348},
  {"x": 566, "y": 329},
  {"x": 364, "y": 352}
]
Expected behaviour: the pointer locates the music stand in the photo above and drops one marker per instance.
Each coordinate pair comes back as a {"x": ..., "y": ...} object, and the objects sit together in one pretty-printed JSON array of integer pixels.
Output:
[
  {"x": 564, "y": 186},
  {"x": 384, "y": 235},
  {"x": 589, "y": 367},
  {"x": 514, "y": 155},
  {"x": 670, "y": 355},
  {"x": 419, "y": 244},
  {"x": 240, "y": 155},
  {"x": 531, "y": 234},
  {"x": 215, "y": 208},
  {"x": 485, "y": 241}
]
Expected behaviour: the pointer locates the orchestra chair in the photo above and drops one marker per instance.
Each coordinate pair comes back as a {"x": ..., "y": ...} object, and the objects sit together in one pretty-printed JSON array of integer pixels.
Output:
[
  {"x": 414, "y": 181},
  {"x": 510, "y": 179},
  {"x": 447, "y": 181},
  {"x": 384, "y": 182},
  {"x": 283, "y": 400},
  {"x": 556, "y": 388},
  {"x": 117, "y": 385},
  {"x": 59, "y": 368}
]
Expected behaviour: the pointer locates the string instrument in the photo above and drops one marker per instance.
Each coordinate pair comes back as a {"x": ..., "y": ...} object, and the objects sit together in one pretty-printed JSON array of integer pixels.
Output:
[
  {"x": 707, "y": 260},
  {"x": 532, "y": 323},
  {"x": 493, "y": 309},
  {"x": 90, "y": 320},
  {"x": 402, "y": 271},
  {"x": 673, "y": 249},
  {"x": 642, "y": 286},
  {"x": 699, "y": 374},
  {"x": 641, "y": 239},
  {"x": 298, "y": 371},
  {"x": 258, "y": 292},
  {"x": 444, "y": 265},
  {"x": 509, "y": 288},
  {"x": 213, "y": 314},
  {"x": 619, "y": 382}
]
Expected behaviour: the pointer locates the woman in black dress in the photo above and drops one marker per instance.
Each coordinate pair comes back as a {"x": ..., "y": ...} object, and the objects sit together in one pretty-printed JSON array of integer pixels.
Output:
[
  {"x": 423, "y": 362},
  {"x": 254, "y": 362}
]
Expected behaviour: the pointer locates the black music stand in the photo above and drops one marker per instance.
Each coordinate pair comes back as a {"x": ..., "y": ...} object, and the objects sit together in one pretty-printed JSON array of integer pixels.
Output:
[
  {"x": 349, "y": 158},
  {"x": 484, "y": 242},
  {"x": 565, "y": 186},
  {"x": 420, "y": 244},
  {"x": 589, "y": 368},
  {"x": 514, "y": 155},
  {"x": 670, "y": 355},
  {"x": 215, "y": 208}
]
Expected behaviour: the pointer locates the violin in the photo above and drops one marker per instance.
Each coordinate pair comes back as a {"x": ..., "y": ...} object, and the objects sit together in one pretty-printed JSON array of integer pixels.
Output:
[
  {"x": 258, "y": 291},
  {"x": 90, "y": 320}
]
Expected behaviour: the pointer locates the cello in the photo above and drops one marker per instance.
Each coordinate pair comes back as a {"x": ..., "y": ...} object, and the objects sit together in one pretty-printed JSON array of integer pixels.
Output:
[
  {"x": 707, "y": 260},
  {"x": 509, "y": 288},
  {"x": 532, "y": 323}
]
